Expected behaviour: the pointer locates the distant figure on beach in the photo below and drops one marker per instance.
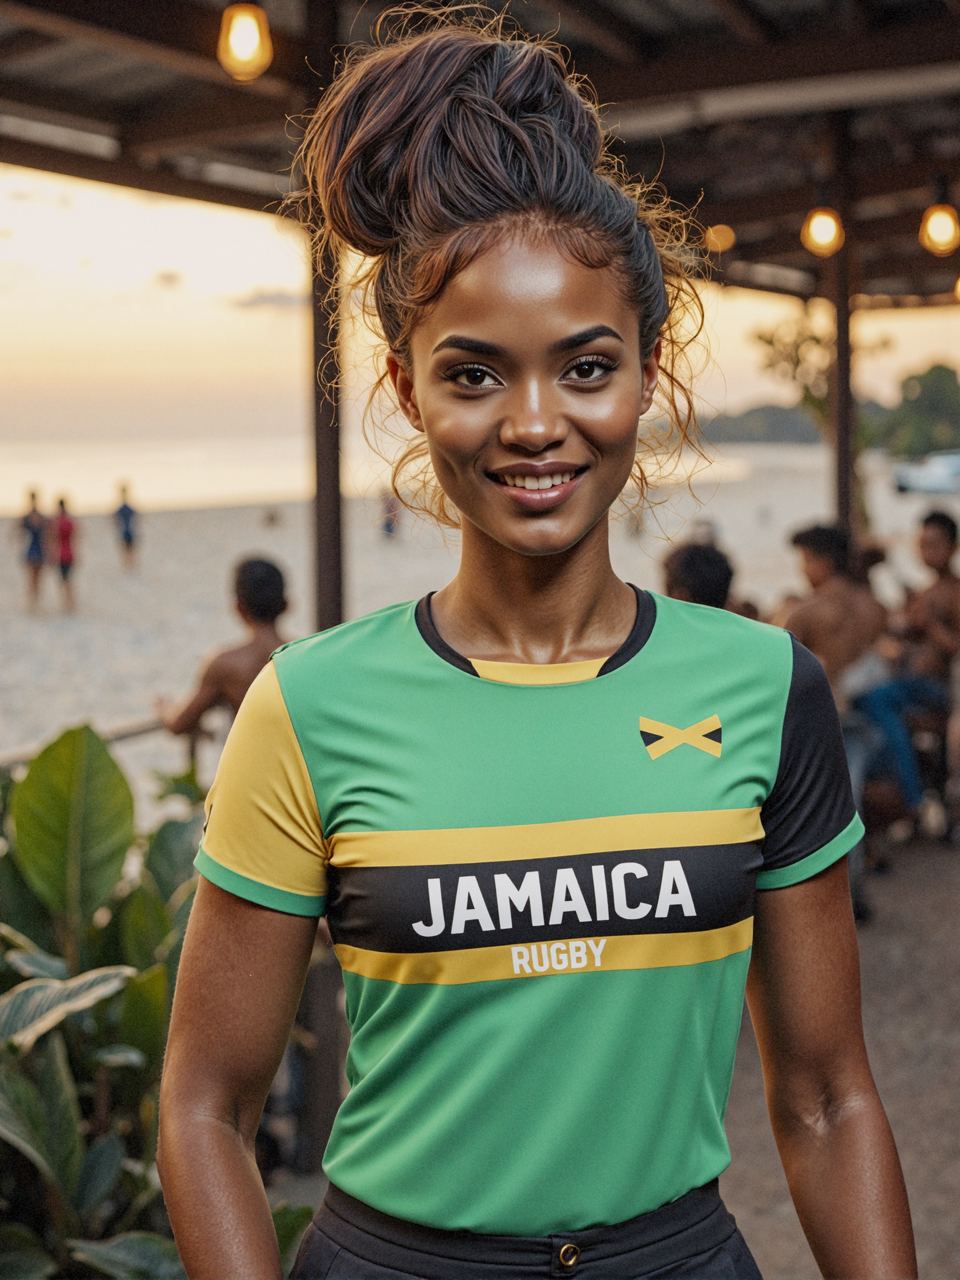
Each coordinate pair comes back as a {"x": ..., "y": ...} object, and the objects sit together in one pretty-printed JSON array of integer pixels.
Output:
[
  {"x": 63, "y": 540},
  {"x": 260, "y": 600},
  {"x": 125, "y": 517},
  {"x": 390, "y": 510},
  {"x": 32, "y": 527}
]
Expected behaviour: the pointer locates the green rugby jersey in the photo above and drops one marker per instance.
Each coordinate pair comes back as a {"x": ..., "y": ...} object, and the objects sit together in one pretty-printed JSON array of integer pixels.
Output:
[{"x": 540, "y": 884}]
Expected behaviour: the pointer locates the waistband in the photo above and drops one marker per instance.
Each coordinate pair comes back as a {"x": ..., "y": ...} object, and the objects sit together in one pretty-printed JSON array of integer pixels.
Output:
[{"x": 698, "y": 1221}]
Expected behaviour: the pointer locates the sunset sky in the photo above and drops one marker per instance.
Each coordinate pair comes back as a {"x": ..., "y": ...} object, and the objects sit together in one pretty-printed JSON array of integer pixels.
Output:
[{"x": 166, "y": 331}]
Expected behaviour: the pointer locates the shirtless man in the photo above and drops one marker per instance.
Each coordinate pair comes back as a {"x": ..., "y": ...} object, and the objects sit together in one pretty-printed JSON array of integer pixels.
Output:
[
  {"x": 839, "y": 622},
  {"x": 929, "y": 641},
  {"x": 260, "y": 600}
]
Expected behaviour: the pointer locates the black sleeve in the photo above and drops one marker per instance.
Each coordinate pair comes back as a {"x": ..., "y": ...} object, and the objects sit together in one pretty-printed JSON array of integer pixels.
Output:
[{"x": 808, "y": 818}]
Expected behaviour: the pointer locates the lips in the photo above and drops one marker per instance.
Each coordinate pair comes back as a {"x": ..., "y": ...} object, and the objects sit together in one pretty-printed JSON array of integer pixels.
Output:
[{"x": 537, "y": 489}]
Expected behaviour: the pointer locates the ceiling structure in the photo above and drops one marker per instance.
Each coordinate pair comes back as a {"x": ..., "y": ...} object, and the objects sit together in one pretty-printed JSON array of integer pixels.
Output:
[{"x": 751, "y": 110}]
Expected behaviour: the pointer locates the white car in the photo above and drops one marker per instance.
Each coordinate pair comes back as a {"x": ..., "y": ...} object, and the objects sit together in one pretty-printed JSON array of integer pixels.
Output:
[{"x": 936, "y": 473}]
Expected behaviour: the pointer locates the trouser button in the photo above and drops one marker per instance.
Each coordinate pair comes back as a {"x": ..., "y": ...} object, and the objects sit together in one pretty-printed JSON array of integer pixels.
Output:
[{"x": 568, "y": 1255}]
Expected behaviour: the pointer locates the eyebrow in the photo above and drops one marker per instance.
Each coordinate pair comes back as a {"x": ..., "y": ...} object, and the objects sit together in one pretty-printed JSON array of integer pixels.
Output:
[{"x": 458, "y": 342}]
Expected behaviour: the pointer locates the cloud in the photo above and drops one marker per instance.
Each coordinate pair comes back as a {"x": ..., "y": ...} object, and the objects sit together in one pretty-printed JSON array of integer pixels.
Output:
[
  {"x": 168, "y": 279},
  {"x": 276, "y": 298}
]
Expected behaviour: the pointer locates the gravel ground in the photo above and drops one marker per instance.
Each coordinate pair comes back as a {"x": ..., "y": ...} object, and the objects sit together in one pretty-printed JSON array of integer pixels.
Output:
[{"x": 911, "y": 980}]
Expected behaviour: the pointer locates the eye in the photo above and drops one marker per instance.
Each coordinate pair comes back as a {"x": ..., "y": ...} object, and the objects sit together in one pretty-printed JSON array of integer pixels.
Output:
[
  {"x": 589, "y": 369},
  {"x": 475, "y": 377}
]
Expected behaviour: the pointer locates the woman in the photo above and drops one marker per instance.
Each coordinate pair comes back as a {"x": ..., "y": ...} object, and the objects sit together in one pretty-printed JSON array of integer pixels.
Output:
[
  {"x": 544, "y": 812},
  {"x": 63, "y": 530}
]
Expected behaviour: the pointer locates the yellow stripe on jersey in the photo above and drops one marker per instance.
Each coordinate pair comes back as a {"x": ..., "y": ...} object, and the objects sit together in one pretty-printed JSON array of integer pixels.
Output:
[
  {"x": 538, "y": 672},
  {"x": 534, "y": 959},
  {"x": 262, "y": 819},
  {"x": 435, "y": 848}
]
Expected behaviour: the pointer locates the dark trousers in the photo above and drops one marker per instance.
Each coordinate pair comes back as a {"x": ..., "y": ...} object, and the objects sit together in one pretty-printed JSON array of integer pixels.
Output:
[{"x": 694, "y": 1238}]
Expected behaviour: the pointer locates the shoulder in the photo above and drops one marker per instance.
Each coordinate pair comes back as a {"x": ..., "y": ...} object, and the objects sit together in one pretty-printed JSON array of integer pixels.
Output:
[
  {"x": 700, "y": 625},
  {"x": 350, "y": 645}
]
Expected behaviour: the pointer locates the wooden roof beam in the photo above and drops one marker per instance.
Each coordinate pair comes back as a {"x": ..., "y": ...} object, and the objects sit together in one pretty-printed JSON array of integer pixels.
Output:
[
  {"x": 917, "y": 176},
  {"x": 742, "y": 20},
  {"x": 76, "y": 164},
  {"x": 686, "y": 75},
  {"x": 601, "y": 25},
  {"x": 19, "y": 45},
  {"x": 58, "y": 107},
  {"x": 178, "y": 35},
  {"x": 217, "y": 118}
]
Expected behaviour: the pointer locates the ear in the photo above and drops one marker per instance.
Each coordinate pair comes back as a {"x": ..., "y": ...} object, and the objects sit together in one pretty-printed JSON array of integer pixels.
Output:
[
  {"x": 402, "y": 384},
  {"x": 651, "y": 373}
]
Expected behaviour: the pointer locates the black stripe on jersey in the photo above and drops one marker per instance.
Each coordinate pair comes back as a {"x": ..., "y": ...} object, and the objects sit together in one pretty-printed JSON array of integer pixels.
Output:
[
  {"x": 639, "y": 634},
  {"x": 463, "y": 905}
]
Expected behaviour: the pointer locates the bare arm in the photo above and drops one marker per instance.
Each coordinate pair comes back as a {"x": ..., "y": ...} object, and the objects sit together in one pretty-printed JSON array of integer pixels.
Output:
[
  {"x": 208, "y": 693},
  {"x": 240, "y": 979},
  {"x": 830, "y": 1127}
]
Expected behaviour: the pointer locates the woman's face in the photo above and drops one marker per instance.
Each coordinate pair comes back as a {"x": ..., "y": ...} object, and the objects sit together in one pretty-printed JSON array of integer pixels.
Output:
[{"x": 528, "y": 382}]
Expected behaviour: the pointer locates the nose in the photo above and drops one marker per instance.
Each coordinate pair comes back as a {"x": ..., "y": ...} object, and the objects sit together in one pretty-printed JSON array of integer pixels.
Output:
[{"x": 531, "y": 421}]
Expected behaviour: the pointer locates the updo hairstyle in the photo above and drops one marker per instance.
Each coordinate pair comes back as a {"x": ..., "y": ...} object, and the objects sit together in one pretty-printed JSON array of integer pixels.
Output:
[{"x": 452, "y": 132}]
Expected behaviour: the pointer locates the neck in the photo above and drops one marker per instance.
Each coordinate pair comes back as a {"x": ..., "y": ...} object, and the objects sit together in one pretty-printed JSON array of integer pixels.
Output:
[
  {"x": 264, "y": 633},
  {"x": 508, "y": 607}
]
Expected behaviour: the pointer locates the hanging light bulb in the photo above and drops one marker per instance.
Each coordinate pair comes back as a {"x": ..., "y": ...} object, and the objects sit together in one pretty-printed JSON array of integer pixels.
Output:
[
  {"x": 718, "y": 238},
  {"x": 822, "y": 232},
  {"x": 244, "y": 49},
  {"x": 939, "y": 226}
]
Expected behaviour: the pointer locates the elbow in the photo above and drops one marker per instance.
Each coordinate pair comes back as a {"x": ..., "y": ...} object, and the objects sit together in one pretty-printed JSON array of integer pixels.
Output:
[{"x": 815, "y": 1115}]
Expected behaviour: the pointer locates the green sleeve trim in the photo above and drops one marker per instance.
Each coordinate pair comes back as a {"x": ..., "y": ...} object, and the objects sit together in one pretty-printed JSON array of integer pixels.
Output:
[
  {"x": 813, "y": 863},
  {"x": 265, "y": 895}
]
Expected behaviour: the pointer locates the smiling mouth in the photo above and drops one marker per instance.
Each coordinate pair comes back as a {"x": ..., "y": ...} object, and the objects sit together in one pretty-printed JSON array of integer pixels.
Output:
[{"x": 536, "y": 483}]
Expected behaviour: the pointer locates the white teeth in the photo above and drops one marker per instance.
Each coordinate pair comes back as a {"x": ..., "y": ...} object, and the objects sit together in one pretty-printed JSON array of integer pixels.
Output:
[{"x": 537, "y": 482}]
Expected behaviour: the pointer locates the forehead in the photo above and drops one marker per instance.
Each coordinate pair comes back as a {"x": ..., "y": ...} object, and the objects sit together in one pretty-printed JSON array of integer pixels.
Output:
[{"x": 529, "y": 294}]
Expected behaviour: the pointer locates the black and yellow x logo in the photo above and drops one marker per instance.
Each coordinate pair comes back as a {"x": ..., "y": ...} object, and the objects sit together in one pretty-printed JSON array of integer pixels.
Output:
[{"x": 659, "y": 738}]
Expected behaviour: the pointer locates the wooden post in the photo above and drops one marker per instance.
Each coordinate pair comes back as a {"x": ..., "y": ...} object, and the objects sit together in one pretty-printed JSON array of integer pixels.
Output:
[
  {"x": 320, "y": 1012},
  {"x": 327, "y": 520},
  {"x": 842, "y": 409},
  {"x": 321, "y": 35}
]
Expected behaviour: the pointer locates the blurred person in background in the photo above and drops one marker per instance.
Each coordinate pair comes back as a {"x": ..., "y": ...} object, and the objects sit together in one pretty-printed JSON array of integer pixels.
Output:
[
  {"x": 260, "y": 600},
  {"x": 840, "y": 622},
  {"x": 63, "y": 551},
  {"x": 32, "y": 529},
  {"x": 926, "y": 640},
  {"x": 698, "y": 572},
  {"x": 125, "y": 517}
]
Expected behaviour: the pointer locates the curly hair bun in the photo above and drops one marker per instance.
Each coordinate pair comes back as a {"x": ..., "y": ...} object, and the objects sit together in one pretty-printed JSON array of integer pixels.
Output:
[{"x": 450, "y": 127}]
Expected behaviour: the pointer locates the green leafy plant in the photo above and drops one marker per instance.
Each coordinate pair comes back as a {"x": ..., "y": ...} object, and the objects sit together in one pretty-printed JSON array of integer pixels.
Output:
[{"x": 93, "y": 917}]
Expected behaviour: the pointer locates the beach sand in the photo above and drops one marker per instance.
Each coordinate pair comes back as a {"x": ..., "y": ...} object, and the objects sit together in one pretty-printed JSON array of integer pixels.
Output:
[{"x": 142, "y": 634}]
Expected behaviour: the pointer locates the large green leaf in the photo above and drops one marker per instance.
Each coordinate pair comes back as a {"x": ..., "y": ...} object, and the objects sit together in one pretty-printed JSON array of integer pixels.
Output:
[
  {"x": 171, "y": 852},
  {"x": 61, "y": 1120},
  {"x": 21, "y": 909},
  {"x": 34, "y": 1007},
  {"x": 143, "y": 1013},
  {"x": 22, "y": 1256},
  {"x": 36, "y": 964},
  {"x": 138, "y": 1255},
  {"x": 73, "y": 814},
  {"x": 98, "y": 1176},
  {"x": 22, "y": 1119},
  {"x": 145, "y": 923}
]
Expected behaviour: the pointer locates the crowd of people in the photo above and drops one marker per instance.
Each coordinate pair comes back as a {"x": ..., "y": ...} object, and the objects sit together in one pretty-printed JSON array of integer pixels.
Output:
[
  {"x": 51, "y": 542},
  {"x": 894, "y": 673}
]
